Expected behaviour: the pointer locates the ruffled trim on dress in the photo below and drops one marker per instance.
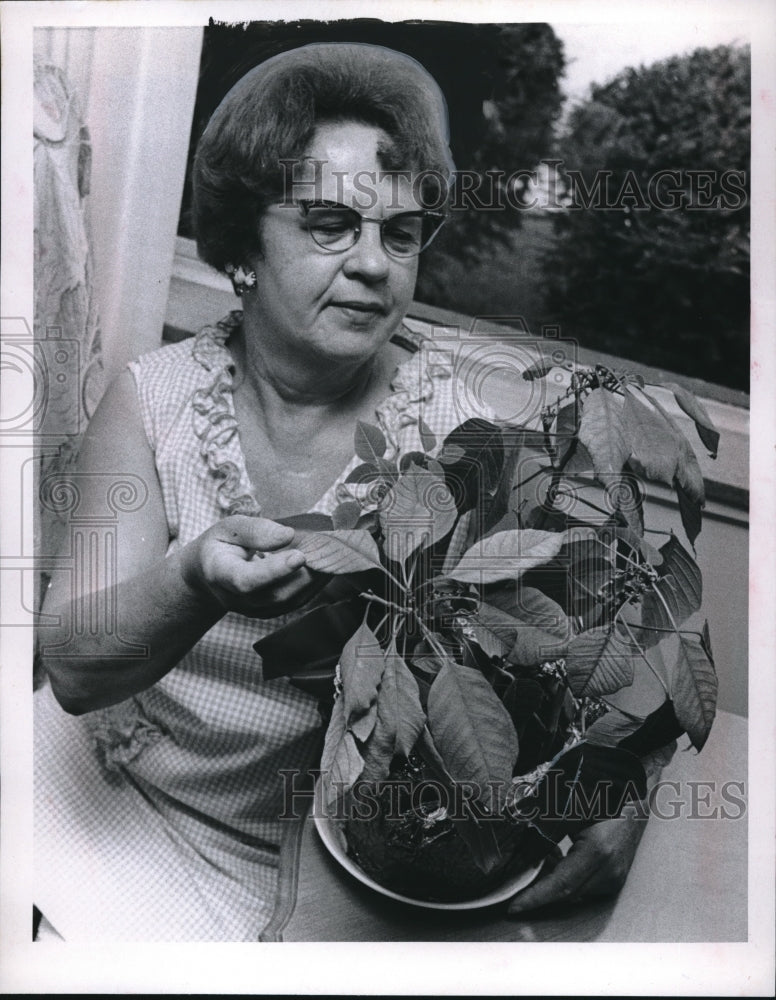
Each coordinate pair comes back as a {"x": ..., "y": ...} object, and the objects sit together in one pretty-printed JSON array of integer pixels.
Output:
[
  {"x": 214, "y": 419},
  {"x": 412, "y": 388},
  {"x": 121, "y": 732}
]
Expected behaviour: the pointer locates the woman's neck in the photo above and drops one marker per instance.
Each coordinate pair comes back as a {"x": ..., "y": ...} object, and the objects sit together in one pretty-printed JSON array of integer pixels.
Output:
[{"x": 280, "y": 387}]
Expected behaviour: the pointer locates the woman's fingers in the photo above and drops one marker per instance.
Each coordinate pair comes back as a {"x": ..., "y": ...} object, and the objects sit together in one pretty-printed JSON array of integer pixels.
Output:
[
  {"x": 265, "y": 569},
  {"x": 596, "y": 865},
  {"x": 562, "y": 883},
  {"x": 256, "y": 534}
]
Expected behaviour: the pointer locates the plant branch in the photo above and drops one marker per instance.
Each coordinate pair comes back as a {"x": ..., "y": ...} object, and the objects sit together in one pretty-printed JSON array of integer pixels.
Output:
[
  {"x": 431, "y": 638},
  {"x": 644, "y": 657},
  {"x": 669, "y": 631},
  {"x": 371, "y": 596}
]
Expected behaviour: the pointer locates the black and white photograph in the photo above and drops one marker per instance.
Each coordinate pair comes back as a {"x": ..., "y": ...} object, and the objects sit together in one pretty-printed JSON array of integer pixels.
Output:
[{"x": 388, "y": 473}]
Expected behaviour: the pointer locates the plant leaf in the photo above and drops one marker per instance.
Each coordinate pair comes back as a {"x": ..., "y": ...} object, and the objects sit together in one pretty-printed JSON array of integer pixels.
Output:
[
  {"x": 694, "y": 409},
  {"x": 370, "y": 442},
  {"x": 654, "y": 447},
  {"x": 493, "y": 637},
  {"x": 528, "y": 644},
  {"x": 459, "y": 542},
  {"x": 688, "y": 482},
  {"x": 602, "y": 432},
  {"x": 706, "y": 641},
  {"x": 472, "y": 730},
  {"x": 340, "y": 551},
  {"x": 599, "y": 662},
  {"x": 341, "y": 763},
  {"x": 680, "y": 564},
  {"x": 566, "y": 429},
  {"x": 427, "y": 436},
  {"x": 534, "y": 646},
  {"x": 400, "y": 718},
  {"x": 507, "y": 555},
  {"x": 308, "y": 522},
  {"x": 475, "y": 477},
  {"x": 363, "y": 727},
  {"x": 450, "y": 454},
  {"x": 347, "y": 515},
  {"x": 542, "y": 611},
  {"x": 690, "y": 512},
  {"x": 611, "y": 728},
  {"x": 311, "y": 643},
  {"x": 679, "y": 583},
  {"x": 656, "y": 732},
  {"x": 641, "y": 736},
  {"x": 585, "y": 783},
  {"x": 478, "y": 836},
  {"x": 417, "y": 511},
  {"x": 689, "y": 474},
  {"x": 694, "y": 690},
  {"x": 361, "y": 665},
  {"x": 365, "y": 473}
]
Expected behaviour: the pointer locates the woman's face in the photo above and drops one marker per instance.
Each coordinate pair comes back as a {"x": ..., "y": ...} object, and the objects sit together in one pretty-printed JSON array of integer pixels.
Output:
[{"x": 313, "y": 305}]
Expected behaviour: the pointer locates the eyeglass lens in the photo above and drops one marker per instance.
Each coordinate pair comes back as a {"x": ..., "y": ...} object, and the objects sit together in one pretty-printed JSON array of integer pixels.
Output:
[{"x": 337, "y": 228}]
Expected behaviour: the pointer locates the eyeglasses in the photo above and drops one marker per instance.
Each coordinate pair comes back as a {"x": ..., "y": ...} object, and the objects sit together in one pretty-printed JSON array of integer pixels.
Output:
[{"x": 336, "y": 228}]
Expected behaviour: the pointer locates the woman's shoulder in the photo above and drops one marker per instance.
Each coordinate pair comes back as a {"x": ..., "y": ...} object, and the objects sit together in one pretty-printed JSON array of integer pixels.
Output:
[
  {"x": 173, "y": 379},
  {"x": 193, "y": 359}
]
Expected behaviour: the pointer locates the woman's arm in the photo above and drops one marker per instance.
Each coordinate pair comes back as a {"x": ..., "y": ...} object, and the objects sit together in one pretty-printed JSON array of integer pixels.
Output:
[{"x": 163, "y": 605}]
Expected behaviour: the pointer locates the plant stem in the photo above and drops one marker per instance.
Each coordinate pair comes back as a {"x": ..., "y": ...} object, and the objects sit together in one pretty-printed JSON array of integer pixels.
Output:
[
  {"x": 645, "y": 658},
  {"x": 393, "y": 579},
  {"x": 669, "y": 631},
  {"x": 539, "y": 472},
  {"x": 418, "y": 552},
  {"x": 431, "y": 638},
  {"x": 588, "y": 503},
  {"x": 370, "y": 596},
  {"x": 667, "y": 609}
]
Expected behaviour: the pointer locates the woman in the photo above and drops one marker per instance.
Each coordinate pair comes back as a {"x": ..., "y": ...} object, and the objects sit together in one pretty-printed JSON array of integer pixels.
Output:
[{"x": 311, "y": 186}]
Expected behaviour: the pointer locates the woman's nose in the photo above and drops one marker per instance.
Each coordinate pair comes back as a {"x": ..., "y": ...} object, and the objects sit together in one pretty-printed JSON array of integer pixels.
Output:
[{"x": 367, "y": 257}]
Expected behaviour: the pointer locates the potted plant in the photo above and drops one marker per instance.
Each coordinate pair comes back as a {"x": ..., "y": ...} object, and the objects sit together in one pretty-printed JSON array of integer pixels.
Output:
[{"x": 490, "y": 600}]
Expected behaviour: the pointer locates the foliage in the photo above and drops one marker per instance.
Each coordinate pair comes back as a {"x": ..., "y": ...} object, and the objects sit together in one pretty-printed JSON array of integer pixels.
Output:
[
  {"x": 495, "y": 613},
  {"x": 664, "y": 263},
  {"x": 522, "y": 106}
]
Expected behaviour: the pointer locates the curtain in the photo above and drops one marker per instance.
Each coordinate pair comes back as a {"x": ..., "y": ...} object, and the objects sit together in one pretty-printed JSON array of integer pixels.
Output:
[{"x": 66, "y": 329}]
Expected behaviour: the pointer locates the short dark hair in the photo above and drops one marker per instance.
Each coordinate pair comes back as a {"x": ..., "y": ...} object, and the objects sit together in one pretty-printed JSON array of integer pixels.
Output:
[{"x": 271, "y": 115}]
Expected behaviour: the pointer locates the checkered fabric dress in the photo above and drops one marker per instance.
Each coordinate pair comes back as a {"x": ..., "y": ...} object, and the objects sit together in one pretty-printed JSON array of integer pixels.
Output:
[{"x": 156, "y": 819}]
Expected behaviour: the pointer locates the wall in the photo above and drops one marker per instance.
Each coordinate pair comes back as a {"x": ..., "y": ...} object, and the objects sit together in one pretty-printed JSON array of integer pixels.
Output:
[{"x": 137, "y": 88}]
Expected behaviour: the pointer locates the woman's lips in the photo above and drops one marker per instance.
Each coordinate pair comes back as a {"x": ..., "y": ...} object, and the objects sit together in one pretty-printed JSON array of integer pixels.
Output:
[
  {"x": 361, "y": 312},
  {"x": 358, "y": 306}
]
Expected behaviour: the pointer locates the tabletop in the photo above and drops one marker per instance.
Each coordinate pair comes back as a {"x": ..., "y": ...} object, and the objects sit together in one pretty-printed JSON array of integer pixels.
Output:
[{"x": 688, "y": 881}]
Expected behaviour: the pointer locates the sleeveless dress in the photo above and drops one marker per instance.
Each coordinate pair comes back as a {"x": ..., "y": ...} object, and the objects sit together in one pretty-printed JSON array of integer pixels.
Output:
[{"x": 157, "y": 819}]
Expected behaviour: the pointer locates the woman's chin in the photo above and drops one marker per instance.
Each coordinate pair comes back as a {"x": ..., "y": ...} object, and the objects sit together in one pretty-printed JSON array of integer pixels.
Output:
[{"x": 353, "y": 342}]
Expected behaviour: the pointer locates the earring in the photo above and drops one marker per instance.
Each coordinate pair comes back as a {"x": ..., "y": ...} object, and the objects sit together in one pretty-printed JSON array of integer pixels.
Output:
[{"x": 241, "y": 279}]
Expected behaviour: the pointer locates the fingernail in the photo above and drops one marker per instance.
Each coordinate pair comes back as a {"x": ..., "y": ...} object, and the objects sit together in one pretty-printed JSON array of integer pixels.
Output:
[{"x": 294, "y": 560}]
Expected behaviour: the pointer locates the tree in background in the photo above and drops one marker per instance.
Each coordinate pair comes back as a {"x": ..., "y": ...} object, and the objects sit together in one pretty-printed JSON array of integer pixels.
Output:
[
  {"x": 521, "y": 103},
  {"x": 658, "y": 269}
]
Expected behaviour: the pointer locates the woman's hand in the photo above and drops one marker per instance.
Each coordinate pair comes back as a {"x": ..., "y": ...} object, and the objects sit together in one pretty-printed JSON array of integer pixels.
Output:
[
  {"x": 246, "y": 565},
  {"x": 597, "y": 864}
]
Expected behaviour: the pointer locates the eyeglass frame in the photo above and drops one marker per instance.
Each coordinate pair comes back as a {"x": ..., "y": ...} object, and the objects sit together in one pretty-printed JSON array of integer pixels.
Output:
[{"x": 423, "y": 213}]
